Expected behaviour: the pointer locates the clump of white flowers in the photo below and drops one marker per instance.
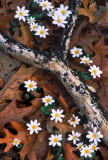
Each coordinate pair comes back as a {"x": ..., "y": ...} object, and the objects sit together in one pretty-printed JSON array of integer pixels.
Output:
[
  {"x": 58, "y": 15},
  {"x": 74, "y": 137}
]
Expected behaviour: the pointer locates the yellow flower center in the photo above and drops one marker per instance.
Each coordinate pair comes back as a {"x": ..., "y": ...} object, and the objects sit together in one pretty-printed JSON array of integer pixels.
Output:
[
  {"x": 31, "y": 20},
  {"x": 34, "y": 27},
  {"x": 94, "y": 71},
  {"x": 47, "y": 100},
  {"x": 30, "y": 85},
  {"x": 63, "y": 12},
  {"x": 90, "y": 89},
  {"x": 55, "y": 140},
  {"x": 44, "y": 5},
  {"x": 94, "y": 136},
  {"x": 74, "y": 137},
  {"x": 76, "y": 51},
  {"x": 86, "y": 151},
  {"x": 42, "y": 32},
  {"x": 86, "y": 60},
  {"x": 21, "y": 13},
  {"x": 34, "y": 127},
  {"x": 93, "y": 147},
  {"x": 53, "y": 13},
  {"x": 16, "y": 141},
  {"x": 74, "y": 121},
  {"x": 59, "y": 20},
  {"x": 56, "y": 115},
  {"x": 80, "y": 146}
]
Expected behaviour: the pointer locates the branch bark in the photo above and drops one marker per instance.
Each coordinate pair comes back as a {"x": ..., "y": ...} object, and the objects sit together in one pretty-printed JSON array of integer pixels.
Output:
[{"x": 55, "y": 61}]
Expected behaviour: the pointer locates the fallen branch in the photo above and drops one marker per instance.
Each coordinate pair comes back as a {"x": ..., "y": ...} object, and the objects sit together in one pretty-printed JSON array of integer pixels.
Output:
[{"x": 55, "y": 61}]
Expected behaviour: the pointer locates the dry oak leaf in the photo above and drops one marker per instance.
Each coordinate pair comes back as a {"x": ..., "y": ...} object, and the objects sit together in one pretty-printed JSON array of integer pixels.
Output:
[
  {"x": 11, "y": 89},
  {"x": 49, "y": 156},
  {"x": 89, "y": 12},
  {"x": 104, "y": 151},
  {"x": 13, "y": 113},
  {"x": 22, "y": 135},
  {"x": 103, "y": 93},
  {"x": 4, "y": 20},
  {"x": 69, "y": 155},
  {"x": 101, "y": 57},
  {"x": 26, "y": 38}
]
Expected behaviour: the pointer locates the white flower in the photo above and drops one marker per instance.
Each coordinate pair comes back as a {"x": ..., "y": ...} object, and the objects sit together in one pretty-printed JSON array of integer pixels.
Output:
[
  {"x": 21, "y": 13},
  {"x": 79, "y": 145},
  {"x": 47, "y": 100},
  {"x": 41, "y": 31},
  {"x": 30, "y": 85},
  {"x": 37, "y": 1},
  {"x": 76, "y": 52},
  {"x": 45, "y": 5},
  {"x": 51, "y": 13},
  {"x": 95, "y": 71},
  {"x": 55, "y": 140},
  {"x": 94, "y": 136},
  {"x": 16, "y": 142},
  {"x": 86, "y": 60},
  {"x": 57, "y": 115},
  {"x": 30, "y": 20},
  {"x": 33, "y": 127},
  {"x": 59, "y": 20},
  {"x": 75, "y": 121},
  {"x": 91, "y": 88},
  {"x": 63, "y": 10},
  {"x": 33, "y": 26},
  {"x": 86, "y": 151},
  {"x": 74, "y": 137},
  {"x": 93, "y": 147}
]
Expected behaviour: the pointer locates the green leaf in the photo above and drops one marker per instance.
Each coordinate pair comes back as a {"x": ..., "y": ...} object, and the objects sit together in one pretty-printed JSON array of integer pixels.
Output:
[
  {"x": 26, "y": 96},
  {"x": 13, "y": 23},
  {"x": 34, "y": 5},
  {"x": 43, "y": 108},
  {"x": 35, "y": 90},
  {"x": 19, "y": 146},
  {"x": 84, "y": 76},
  {"x": 88, "y": 56},
  {"x": 60, "y": 149},
  {"x": 106, "y": 39},
  {"x": 82, "y": 157},
  {"x": 47, "y": 112}
]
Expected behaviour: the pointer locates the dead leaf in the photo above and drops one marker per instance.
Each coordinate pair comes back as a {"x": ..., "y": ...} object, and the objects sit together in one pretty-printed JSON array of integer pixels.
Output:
[
  {"x": 11, "y": 89},
  {"x": 100, "y": 59},
  {"x": 13, "y": 113},
  {"x": 89, "y": 12},
  {"x": 26, "y": 38},
  {"x": 104, "y": 152},
  {"x": 69, "y": 152},
  {"x": 49, "y": 156}
]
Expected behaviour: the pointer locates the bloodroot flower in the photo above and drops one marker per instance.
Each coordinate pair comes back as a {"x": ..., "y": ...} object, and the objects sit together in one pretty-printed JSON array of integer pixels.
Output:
[
  {"x": 30, "y": 85},
  {"x": 48, "y": 100},
  {"x": 33, "y": 127},
  {"x": 86, "y": 151},
  {"x": 55, "y": 140},
  {"x": 74, "y": 121},
  {"x": 57, "y": 115},
  {"x": 74, "y": 137},
  {"x": 16, "y": 142},
  {"x": 21, "y": 13},
  {"x": 95, "y": 71},
  {"x": 76, "y": 52},
  {"x": 94, "y": 136}
]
